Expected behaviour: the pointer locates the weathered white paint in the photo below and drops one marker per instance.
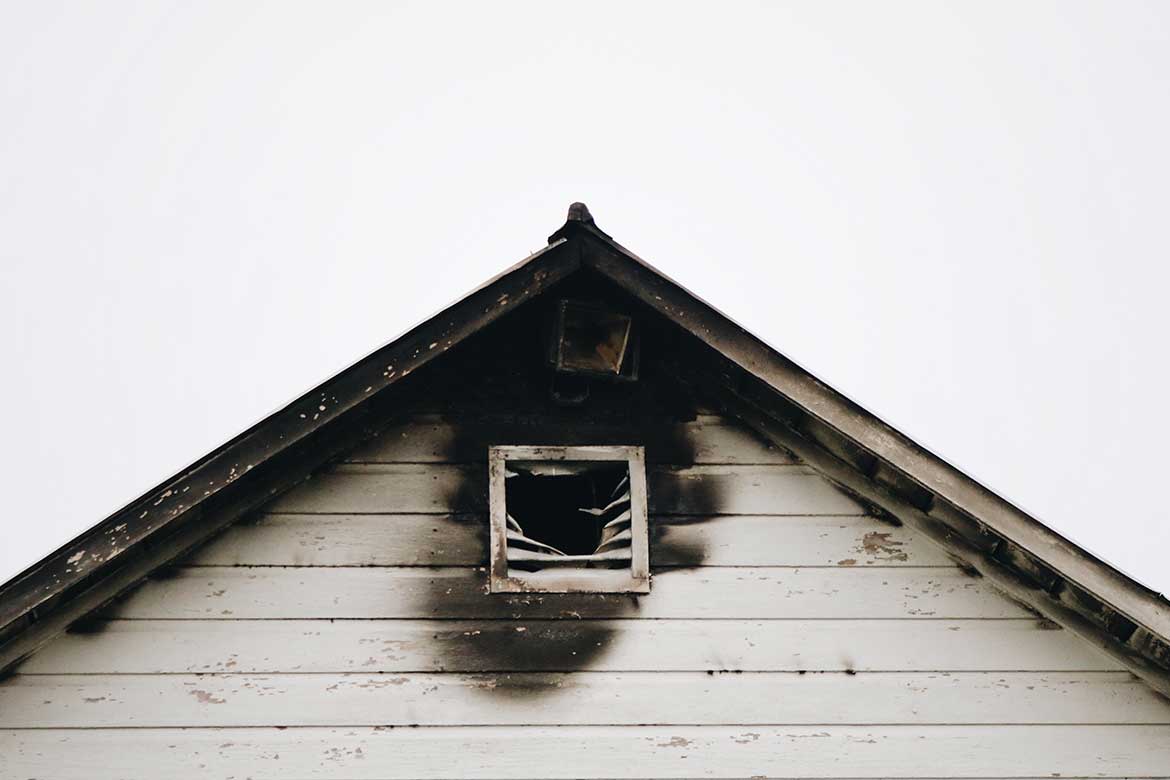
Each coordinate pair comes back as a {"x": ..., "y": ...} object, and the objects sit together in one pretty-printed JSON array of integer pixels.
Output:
[
  {"x": 395, "y": 646},
  {"x": 786, "y": 634},
  {"x": 578, "y": 698},
  {"x": 459, "y": 540},
  {"x": 364, "y": 753},
  {"x": 703, "y": 592}
]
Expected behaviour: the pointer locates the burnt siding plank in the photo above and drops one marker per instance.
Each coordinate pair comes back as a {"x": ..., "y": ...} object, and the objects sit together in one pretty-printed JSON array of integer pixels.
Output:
[
  {"x": 446, "y": 488},
  {"x": 392, "y": 646},
  {"x": 709, "y": 592},
  {"x": 363, "y": 753},
  {"x": 581, "y": 699},
  {"x": 443, "y": 439},
  {"x": 675, "y": 540}
]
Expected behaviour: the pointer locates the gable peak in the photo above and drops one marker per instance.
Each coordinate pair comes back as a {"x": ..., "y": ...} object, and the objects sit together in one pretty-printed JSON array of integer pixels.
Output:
[
  {"x": 578, "y": 217},
  {"x": 579, "y": 212}
]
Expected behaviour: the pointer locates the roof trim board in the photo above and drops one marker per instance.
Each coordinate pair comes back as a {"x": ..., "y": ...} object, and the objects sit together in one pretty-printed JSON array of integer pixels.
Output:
[
  {"x": 1025, "y": 559},
  {"x": 102, "y": 547},
  {"x": 933, "y": 473},
  {"x": 1029, "y": 561}
]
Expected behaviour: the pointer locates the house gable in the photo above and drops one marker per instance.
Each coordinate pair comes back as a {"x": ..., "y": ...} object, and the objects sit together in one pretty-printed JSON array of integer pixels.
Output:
[
  {"x": 807, "y": 589},
  {"x": 344, "y": 628}
]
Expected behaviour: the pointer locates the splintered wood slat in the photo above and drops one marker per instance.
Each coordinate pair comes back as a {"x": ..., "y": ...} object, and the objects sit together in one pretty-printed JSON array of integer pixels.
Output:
[
  {"x": 391, "y": 646},
  {"x": 364, "y": 753},
  {"x": 435, "y": 439},
  {"x": 675, "y": 540},
  {"x": 352, "y": 488},
  {"x": 708, "y": 592},
  {"x": 583, "y": 698}
]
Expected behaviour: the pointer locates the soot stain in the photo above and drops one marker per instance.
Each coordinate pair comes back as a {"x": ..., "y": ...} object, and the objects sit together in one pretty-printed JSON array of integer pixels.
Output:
[
  {"x": 552, "y": 632},
  {"x": 93, "y": 623}
]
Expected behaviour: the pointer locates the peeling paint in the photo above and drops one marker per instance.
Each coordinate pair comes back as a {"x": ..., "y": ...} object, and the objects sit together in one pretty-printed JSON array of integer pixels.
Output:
[
  {"x": 205, "y": 697},
  {"x": 880, "y": 546}
]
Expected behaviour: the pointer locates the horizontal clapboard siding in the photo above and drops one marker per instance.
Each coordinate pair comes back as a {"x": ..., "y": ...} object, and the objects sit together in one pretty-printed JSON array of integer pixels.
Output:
[
  {"x": 447, "y": 488},
  {"x": 589, "y": 698},
  {"x": 713, "y": 592},
  {"x": 394, "y": 646},
  {"x": 461, "y": 540},
  {"x": 435, "y": 439},
  {"x": 787, "y": 634},
  {"x": 363, "y": 753}
]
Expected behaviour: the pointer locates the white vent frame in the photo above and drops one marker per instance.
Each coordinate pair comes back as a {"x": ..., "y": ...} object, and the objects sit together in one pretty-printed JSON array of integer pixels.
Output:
[{"x": 635, "y": 579}]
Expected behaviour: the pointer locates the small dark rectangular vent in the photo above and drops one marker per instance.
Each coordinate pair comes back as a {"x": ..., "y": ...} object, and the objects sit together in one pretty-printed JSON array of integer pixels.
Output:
[{"x": 591, "y": 340}]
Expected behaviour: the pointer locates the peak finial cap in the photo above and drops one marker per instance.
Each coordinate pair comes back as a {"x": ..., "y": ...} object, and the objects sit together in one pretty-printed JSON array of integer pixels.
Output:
[
  {"x": 579, "y": 221},
  {"x": 579, "y": 212}
]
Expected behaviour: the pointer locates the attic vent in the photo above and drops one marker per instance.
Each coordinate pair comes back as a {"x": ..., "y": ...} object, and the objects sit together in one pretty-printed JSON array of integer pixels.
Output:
[
  {"x": 568, "y": 519},
  {"x": 590, "y": 339}
]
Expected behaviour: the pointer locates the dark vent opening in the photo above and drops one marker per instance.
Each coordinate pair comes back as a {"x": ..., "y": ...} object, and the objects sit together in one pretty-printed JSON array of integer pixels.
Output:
[
  {"x": 565, "y": 506},
  {"x": 568, "y": 519},
  {"x": 595, "y": 340}
]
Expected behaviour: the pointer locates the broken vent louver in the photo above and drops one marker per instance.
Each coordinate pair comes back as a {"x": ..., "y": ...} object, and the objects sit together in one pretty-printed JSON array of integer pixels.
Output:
[{"x": 568, "y": 519}]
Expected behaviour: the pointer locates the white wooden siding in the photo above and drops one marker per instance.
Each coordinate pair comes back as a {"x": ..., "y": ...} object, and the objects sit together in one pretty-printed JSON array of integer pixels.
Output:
[
  {"x": 458, "y": 592},
  {"x": 397, "y": 646},
  {"x": 365, "y": 753},
  {"x": 461, "y": 540},
  {"x": 345, "y": 633},
  {"x": 579, "y": 699}
]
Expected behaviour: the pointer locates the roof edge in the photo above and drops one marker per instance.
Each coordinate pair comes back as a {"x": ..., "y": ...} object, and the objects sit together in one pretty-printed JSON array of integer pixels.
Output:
[
  {"x": 1146, "y": 607},
  {"x": 1044, "y": 569},
  {"x": 102, "y": 547}
]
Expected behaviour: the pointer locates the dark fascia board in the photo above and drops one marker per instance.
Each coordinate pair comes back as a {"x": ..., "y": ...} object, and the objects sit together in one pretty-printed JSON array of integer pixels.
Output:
[
  {"x": 103, "y": 548},
  {"x": 600, "y": 252}
]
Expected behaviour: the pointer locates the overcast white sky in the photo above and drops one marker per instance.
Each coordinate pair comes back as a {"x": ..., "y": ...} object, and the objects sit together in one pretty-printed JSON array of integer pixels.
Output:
[{"x": 954, "y": 213}]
